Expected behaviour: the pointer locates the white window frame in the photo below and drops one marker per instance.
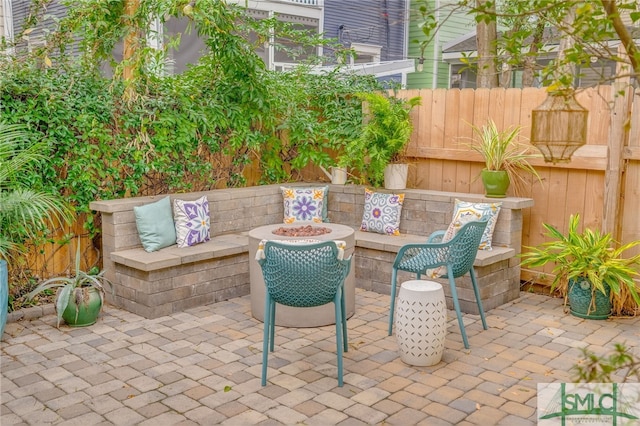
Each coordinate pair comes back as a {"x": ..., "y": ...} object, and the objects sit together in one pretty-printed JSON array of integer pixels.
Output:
[
  {"x": 372, "y": 50},
  {"x": 7, "y": 23}
]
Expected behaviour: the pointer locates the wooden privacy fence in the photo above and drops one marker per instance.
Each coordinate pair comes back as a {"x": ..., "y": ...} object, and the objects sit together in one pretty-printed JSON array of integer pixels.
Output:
[
  {"x": 601, "y": 183},
  {"x": 54, "y": 257}
]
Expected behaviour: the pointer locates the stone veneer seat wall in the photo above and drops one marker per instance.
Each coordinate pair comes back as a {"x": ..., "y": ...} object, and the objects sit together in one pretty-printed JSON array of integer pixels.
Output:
[
  {"x": 423, "y": 212},
  {"x": 173, "y": 279}
]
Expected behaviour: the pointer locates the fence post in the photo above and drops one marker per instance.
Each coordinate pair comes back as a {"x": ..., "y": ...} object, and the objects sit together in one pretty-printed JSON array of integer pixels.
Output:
[{"x": 618, "y": 139}]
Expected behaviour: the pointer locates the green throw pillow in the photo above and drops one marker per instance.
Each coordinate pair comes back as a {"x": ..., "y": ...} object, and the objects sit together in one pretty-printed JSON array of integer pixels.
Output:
[{"x": 155, "y": 224}]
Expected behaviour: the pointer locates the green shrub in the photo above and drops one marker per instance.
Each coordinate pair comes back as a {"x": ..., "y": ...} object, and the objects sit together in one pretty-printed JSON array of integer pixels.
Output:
[
  {"x": 106, "y": 137},
  {"x": 620, "y": 364},
  {"x": 110, "y": 138}
]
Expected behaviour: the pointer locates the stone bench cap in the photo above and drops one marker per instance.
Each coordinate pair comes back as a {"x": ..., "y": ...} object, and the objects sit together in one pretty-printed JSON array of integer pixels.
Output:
[
  {"x": 218, "y": 246},
  {"x": 393, "y": 244},
  {"x": 514, "y": 203},
  {"x": 125, "y": 204},
  {"x": 214, "y": 195}
]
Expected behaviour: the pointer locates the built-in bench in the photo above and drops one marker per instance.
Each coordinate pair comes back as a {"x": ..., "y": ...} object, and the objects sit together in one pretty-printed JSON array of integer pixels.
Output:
[
  {"x": 423, "y": 212},
  {"x": 174, "y": 279}
]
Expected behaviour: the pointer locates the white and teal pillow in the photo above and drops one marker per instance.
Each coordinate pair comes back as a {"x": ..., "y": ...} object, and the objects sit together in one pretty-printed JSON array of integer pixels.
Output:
[
  {"x": 381, "y": 212},
  {"x": 305, "y": 204},
  {"x": 192, "y": 221},
  {"x": 154, "y": 222},
  {"x": 465, "y": 212}
]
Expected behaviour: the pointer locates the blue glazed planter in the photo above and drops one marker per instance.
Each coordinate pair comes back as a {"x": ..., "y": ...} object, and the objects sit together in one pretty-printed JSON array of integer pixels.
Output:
[
  {"x": 4, "y": 295},
  {"x": 580, "y": 303}
]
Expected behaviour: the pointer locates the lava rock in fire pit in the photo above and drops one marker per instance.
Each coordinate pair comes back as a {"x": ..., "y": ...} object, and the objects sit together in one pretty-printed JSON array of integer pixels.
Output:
[{"x": 301, "y": 231}]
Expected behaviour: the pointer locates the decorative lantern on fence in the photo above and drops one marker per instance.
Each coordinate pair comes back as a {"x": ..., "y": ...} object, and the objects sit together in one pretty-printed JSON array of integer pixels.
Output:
[{"x": 559, "y": 127}]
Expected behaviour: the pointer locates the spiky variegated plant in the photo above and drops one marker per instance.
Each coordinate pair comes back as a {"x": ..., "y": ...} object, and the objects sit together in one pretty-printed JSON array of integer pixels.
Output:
[
  {"x": 75, "y": 288},
  {"x": 23, "y": 211},
  {"x": 502, "y": 151}
]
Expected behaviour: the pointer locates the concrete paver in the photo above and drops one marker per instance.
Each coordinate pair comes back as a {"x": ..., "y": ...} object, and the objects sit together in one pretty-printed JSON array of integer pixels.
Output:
[{"x": 203, "y": 366}]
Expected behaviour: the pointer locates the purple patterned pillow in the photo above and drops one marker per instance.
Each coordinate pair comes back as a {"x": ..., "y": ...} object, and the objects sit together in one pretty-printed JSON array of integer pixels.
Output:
[
  {"x": 304, "y": 205},
  {"x": 381, "y": 212},
  {"x": 192, "y": 221}
]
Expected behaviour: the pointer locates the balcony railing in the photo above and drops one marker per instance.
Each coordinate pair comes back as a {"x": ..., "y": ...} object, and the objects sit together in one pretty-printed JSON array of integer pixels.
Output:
[{"x": 305, "y": 2}]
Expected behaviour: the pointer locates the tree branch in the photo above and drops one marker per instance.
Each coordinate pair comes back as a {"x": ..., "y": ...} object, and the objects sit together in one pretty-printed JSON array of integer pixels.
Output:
[{"x": 613, "y": 14}]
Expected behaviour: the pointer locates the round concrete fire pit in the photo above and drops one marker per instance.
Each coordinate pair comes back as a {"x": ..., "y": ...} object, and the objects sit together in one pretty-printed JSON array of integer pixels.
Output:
[
  {"x": 304, "y": 231},
  {"x": 289, "y": 316}
]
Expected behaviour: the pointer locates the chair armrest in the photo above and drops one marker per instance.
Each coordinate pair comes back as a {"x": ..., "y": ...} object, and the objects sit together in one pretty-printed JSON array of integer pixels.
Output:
[
  {"x": 347, "y": 261},
  {"x": 436, "y": 237},
  {"x": 428, "y": 256}
]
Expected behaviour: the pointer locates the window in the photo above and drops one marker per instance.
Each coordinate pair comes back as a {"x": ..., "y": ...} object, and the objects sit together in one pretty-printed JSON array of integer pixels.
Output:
[
  {"x": 365, "y": 53},
  {"x": 462, "y": 77}
]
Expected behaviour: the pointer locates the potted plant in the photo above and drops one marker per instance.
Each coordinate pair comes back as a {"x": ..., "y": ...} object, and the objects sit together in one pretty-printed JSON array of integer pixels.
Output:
[
  {"x": 384, "y": 137},
  {"x": 79, "y": 298},
  {"x": 506, "y": 159},
  {"x": 589, "y": 271}
]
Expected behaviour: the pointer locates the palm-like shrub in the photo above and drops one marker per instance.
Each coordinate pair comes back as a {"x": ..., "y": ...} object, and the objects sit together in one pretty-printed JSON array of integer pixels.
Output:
[
  {"x": 24, "y": 213},
  {"x": 384, "y": 136},
  {"x": 590, "y": 255}
]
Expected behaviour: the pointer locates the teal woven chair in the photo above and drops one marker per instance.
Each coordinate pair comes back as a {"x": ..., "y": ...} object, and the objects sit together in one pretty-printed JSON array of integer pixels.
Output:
[
  {"x": 303, "y": 275},
  {"x": 456, "y": 255}
]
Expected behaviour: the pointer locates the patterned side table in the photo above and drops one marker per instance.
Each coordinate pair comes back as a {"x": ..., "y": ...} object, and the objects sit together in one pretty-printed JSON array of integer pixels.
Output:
[{"x": 421, "y": 322}]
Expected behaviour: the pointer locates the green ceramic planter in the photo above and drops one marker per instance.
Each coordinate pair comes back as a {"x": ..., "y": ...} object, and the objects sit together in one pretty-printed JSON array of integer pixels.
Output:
[
  {"x": 86, "y": 312},
  {"x": 580, "y": 301},
  {"x": 496, "y": 183}
]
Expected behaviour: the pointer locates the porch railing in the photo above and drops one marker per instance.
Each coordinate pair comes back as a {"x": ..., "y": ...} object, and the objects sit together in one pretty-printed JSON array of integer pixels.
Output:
[{"x": 306, "y": 2}]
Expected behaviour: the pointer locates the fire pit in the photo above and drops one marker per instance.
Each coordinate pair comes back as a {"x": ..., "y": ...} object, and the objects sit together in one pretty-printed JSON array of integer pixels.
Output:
[
  {"x": 288, "y": 316},
  {"x": 301, "y": 231}
]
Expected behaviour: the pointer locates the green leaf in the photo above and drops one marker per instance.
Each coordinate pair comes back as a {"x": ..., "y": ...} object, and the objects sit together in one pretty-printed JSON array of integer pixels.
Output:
[{"x": 62, "y": 300}]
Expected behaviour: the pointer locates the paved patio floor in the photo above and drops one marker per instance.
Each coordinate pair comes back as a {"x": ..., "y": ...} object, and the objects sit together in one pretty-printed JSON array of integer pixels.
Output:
[{"x": 202, "y": 366}]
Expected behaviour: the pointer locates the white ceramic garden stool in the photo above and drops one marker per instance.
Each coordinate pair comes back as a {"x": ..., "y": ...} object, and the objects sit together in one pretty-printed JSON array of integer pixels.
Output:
[{"x": 421, "y": 322}]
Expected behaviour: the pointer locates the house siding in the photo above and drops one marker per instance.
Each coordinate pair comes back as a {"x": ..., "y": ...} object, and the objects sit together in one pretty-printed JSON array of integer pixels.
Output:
[
  {"x": 456, "y": 25},
  {"x": 49, "y": 16},
  {"x": 378, "y": 22},
  {"x": 20, "y": 11},
  {"x": 191, "y": 46},
  {"x": 375, "y": 22}
]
